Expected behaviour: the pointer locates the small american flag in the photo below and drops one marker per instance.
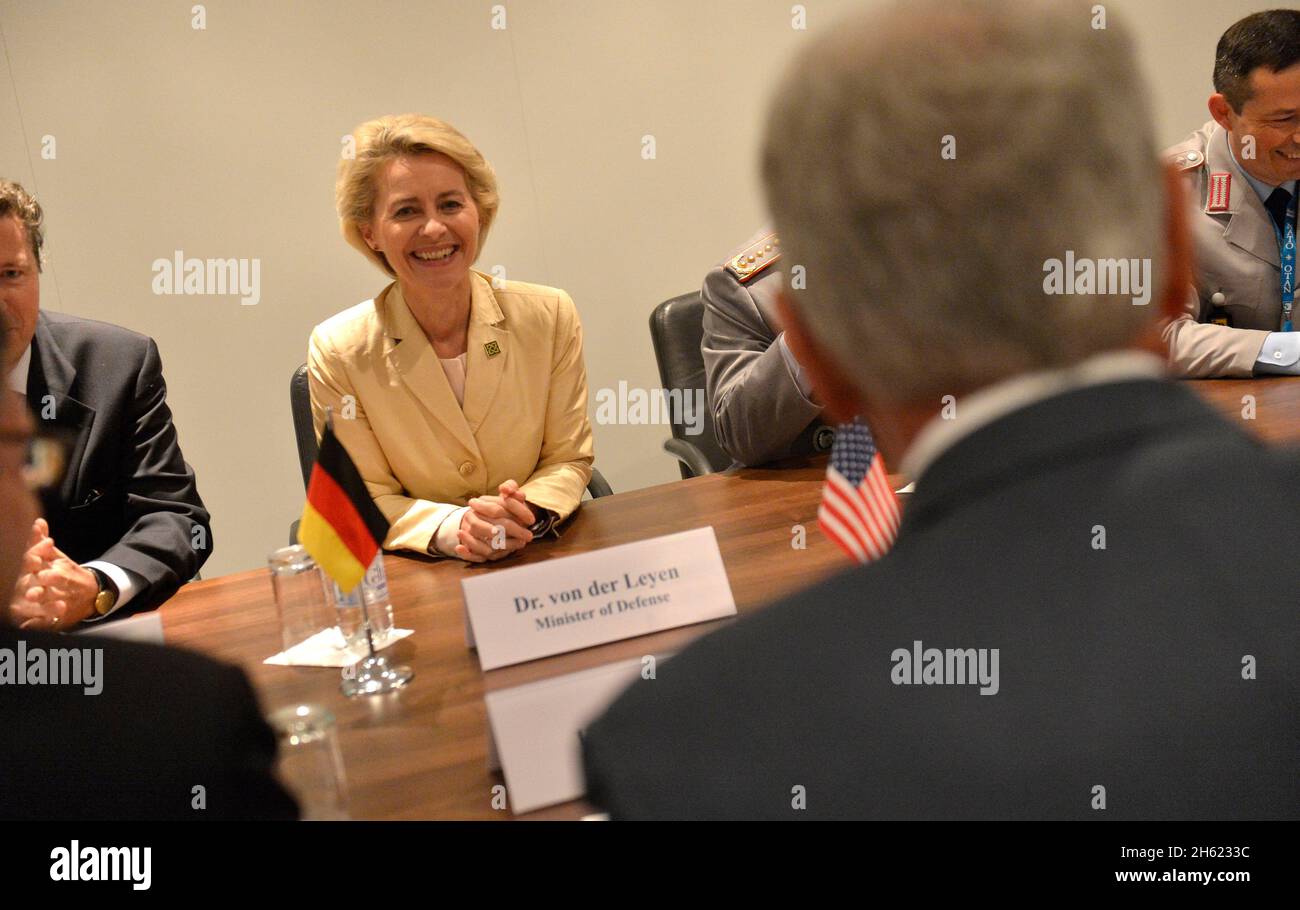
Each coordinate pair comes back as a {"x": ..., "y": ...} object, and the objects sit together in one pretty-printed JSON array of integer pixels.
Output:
[{"x": 859, "y": 510}]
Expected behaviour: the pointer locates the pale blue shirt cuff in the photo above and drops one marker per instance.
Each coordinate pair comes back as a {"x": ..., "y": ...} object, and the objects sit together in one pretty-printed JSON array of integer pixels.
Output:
[
  {"x": 1280, "y": 354},
  {"x": 128, "y": 585},
  {"x": 796, "y": 371}
]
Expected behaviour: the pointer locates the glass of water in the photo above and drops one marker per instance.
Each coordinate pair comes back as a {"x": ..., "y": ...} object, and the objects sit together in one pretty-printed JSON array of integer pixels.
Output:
[
  {"x": 299, "y": 595},
  {"x": 310, "y": 762}
]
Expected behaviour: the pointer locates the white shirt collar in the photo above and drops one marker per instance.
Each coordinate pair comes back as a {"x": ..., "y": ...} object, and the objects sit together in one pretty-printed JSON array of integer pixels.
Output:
[
  {"x": 17, "y": 380},
  {"x": 986, "y": 405}
]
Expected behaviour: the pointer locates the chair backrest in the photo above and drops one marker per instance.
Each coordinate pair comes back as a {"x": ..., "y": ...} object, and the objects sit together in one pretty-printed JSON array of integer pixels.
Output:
[
  {"x": 676, "y": 330},
  {"x": 300, "y": 404}
]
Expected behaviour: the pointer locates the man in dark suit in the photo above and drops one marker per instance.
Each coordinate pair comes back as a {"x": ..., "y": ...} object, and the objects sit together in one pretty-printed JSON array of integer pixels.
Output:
[
  {"x": 144, "y": 733},
  {"x": 1090, "y": 609},
  {"x": 126, "y": 527}
]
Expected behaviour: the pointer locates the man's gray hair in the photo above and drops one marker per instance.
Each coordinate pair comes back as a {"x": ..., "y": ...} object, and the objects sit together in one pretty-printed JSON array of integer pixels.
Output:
[{"x": 924, "y": 273}]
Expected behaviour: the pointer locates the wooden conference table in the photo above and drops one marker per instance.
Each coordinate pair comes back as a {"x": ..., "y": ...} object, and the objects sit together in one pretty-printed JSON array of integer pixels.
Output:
[{"x": 422, "y": 753}]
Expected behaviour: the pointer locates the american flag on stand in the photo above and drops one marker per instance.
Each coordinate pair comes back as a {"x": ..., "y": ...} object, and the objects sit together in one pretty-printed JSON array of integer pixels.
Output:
[{"x": 859, "y": 510}]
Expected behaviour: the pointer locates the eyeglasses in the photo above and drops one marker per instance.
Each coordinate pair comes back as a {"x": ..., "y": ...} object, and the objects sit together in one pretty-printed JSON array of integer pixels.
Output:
[{"x": 45, "y": 457}]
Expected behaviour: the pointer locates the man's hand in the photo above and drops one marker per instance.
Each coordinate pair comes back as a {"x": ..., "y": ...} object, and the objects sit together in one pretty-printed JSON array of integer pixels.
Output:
[
  {"x": 495, "y": 526},
  {"x": 54, "y": 592}
]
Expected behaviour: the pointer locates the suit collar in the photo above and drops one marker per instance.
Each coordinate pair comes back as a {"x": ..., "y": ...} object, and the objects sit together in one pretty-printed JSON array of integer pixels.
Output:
[
  {"x": 986, "y": 405},
  {"x": 1079, "y": 424},
  {"x": 399, "y": 322},
  {"x": 1250, "y": 227},
  {"x": 50, "y": 367},
  {"x": 414, "y": 359},
  {"x": 52, "y": 374}
]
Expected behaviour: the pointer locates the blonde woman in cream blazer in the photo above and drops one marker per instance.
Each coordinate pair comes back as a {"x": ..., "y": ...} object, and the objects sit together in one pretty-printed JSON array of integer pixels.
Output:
[{"x": 464, "y": 405}]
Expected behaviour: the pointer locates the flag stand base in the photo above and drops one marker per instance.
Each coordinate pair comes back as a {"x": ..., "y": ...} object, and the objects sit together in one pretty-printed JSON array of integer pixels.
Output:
[{"x": 374, "y": 676}]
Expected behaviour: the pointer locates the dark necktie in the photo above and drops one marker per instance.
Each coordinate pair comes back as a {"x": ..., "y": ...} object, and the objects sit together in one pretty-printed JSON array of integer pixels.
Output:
[{"x": 1276, "y": 204}]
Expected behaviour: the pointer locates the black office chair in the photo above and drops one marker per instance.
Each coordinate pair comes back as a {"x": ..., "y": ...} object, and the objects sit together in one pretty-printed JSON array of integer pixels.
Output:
[
  {"x": 305, "y": 435},
  {"x": 303, "y": 431},
  {"x": 676, "y": 329}
]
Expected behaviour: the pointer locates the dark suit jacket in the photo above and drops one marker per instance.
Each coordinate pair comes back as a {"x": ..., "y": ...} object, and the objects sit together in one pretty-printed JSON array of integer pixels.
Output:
[
  {"x": 128, "y": 498},
  {"x": 1119, "y": 668},
  {"x": 165, "y": 722}
]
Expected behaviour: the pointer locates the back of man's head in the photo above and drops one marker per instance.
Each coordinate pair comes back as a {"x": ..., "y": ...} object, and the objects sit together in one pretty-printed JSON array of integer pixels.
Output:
[{"x": 926, "y": 165}]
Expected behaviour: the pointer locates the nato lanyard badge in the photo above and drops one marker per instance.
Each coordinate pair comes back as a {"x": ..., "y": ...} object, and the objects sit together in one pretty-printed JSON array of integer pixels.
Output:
[{"x": 1286, "y": 244}]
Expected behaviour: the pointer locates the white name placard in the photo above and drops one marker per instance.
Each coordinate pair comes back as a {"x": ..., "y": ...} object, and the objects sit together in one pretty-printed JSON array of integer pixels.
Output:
[
  {"x": 145, "y": 627},
  {"x": 592, "y": 598},
  {"x": 536, "y": 727}
]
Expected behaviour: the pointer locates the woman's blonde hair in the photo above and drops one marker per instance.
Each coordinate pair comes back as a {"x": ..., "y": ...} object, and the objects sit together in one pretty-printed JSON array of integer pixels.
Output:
[{"x": 377, "y": 142}]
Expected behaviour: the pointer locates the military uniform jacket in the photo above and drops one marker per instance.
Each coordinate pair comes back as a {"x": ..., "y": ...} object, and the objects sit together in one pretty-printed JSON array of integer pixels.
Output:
[
  {"x": 1237, "y": 299},
  {"x": 759, "y": 412}
]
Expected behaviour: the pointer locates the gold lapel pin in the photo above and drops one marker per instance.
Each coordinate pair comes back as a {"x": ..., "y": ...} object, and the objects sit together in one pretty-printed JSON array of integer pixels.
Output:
[{"x": 492, "y": 349}]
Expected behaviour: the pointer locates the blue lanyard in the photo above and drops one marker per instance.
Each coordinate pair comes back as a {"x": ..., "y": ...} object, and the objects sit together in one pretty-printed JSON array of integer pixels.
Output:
[{"x": 1286, "y": 246}]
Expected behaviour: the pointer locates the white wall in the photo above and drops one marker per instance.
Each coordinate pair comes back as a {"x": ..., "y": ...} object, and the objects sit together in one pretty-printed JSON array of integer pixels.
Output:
[{"x": 222, "y": 143}]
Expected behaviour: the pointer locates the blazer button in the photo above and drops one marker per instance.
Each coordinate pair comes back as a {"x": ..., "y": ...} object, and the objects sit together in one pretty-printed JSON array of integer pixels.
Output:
[
  {"x": 824, "y": 439},
  {"x": 467, "y": 468},
  {"x": 1217, "y": 298}
]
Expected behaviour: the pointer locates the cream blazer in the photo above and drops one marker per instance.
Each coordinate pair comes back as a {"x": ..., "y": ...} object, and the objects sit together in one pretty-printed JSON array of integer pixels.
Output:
[{"x": 422, "y": 456}]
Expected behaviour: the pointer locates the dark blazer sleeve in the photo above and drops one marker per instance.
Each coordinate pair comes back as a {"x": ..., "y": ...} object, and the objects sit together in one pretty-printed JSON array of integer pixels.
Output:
[{"x": 168, "y": 536}]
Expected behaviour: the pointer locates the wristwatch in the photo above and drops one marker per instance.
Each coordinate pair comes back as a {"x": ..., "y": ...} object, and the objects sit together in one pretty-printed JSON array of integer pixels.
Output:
[
  {"x": 106, "y": 599},
  {"x": 546, "y": 520}
]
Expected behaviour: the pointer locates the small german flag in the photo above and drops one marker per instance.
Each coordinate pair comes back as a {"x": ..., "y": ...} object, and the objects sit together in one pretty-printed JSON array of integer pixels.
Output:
[{"x": 341, "y": 526}]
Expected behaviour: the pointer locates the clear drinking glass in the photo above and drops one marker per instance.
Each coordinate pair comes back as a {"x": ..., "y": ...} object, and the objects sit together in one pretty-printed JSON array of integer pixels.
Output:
[
  {"x": 310, "y": 762},
  {"x": 299, "y": 595}
]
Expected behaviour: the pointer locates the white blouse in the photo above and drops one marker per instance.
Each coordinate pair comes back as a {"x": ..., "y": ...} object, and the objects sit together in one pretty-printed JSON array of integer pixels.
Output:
[{"x": 455, "y": 370}]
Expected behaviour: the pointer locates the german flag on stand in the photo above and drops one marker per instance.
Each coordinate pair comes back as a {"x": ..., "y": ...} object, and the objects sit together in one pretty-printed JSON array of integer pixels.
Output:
[{"x": 341, "y": 526}]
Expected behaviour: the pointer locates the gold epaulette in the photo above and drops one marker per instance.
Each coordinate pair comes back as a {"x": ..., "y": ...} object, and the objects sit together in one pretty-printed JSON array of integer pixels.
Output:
[{"x": 755, "y": 257}]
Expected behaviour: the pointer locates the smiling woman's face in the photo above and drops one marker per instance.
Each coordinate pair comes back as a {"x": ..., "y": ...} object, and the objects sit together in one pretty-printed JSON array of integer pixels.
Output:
[{"x": 425, "y": 221}]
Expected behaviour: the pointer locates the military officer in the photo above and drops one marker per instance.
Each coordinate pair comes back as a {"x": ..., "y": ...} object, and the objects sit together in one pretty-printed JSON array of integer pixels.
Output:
[
  {"x": 763, "y": 405},
  {"x": 1240, "y": 170}
]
